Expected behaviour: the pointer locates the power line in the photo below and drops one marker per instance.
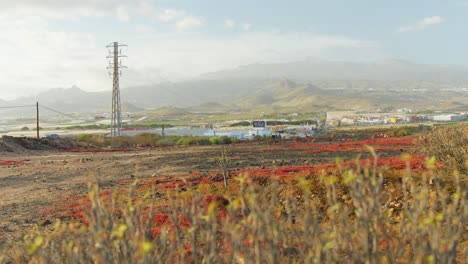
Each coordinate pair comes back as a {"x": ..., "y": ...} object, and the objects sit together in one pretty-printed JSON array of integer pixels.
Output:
[
  {"x": 45, "y": 107},
  {"x": 37, "y": 112},
  {"x": 56, "y": 111},
  {"x": 16, "y": 106}
]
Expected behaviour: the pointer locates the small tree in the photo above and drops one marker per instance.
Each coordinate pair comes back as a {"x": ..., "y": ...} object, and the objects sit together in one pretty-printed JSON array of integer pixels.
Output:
[
  {"x": 223, "y": 162},
  {"x": 25, "y": 128}
]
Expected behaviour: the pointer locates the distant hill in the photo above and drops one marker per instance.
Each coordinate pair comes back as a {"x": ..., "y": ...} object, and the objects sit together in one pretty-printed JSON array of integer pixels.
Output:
[
  {"x": 305, "y": 85},
  {"x": 69, "y": 100},
  {"x": 170, "y": 111},
  {"x": 190, "y": 93},
  {"x": 212, "y": 107},
  {"x": 312, "y": 69}
]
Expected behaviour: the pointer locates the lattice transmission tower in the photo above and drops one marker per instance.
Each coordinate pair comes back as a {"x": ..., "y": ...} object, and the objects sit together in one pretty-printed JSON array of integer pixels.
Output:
[{"x": 115, "y": 66}]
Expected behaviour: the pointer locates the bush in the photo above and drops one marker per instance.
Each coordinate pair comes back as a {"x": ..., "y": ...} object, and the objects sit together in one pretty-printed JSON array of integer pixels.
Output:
[
  {"x": 191, "y": 140},
  {"x": 86, "y": 127},
  {"x": 225, "y": 140},
  {"x": 168, "y": 140},
  {"x": 121, "y": 142},
  {"x": 345, "y": 218},
  {"x": 449, "y": 145},
  {"x": 93, "y": 139},
  {"x": 203, "y": 141},
  {"x": 145, "y": 139},
  {"x": 241, "y": 123},
  {"x": 25, "y": 128},
  {"x": 83, "y": 137},
  {"x": 215, "y": 140},
  {"x": 258, "y": 138},
  {"x": 400, "y": 132},
  {"x": 187, "y": 140}
]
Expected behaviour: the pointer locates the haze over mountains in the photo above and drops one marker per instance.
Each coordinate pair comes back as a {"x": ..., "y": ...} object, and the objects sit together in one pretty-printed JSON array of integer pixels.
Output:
[
  {"x": 308, "y": 85},
  {"x": 312, "y": 69}
]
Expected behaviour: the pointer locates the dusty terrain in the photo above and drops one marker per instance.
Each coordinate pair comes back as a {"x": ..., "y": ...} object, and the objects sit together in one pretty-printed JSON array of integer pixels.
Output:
[{"x": 43, "y": 178}]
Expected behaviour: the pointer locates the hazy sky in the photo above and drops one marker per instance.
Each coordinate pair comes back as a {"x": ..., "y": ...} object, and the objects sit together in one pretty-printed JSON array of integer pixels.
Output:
[{"x": 59, "y": 43}]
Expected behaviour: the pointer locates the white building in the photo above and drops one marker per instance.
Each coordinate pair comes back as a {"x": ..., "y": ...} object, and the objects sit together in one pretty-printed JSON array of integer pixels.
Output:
[
  {"x": 443, "y": 117},
  {"x": 259, "y": 132},
  {"x": 232, "y": 134},
  {"x": 347, "y": 121}
]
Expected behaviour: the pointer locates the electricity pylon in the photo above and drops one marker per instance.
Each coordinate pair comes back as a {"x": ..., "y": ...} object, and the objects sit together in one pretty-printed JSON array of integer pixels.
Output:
[{"x": 114, "y": 68}]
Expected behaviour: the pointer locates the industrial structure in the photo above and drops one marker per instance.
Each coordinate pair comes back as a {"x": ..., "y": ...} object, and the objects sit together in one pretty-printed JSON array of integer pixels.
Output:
[{"x": 115, "y": 66}]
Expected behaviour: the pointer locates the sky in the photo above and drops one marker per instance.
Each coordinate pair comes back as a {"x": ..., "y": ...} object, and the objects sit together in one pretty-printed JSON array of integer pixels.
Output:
[{"x": 60, "y": 43}]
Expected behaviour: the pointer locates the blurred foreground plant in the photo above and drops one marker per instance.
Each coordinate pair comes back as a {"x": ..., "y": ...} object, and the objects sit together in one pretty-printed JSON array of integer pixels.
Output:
[{"x": 357, "y": 215}]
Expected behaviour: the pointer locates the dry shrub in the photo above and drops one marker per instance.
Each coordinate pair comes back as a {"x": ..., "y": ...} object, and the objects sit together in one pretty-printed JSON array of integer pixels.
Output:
[
  {"x": 358, "y": 217},
  {"x": 449, "y": 145}
]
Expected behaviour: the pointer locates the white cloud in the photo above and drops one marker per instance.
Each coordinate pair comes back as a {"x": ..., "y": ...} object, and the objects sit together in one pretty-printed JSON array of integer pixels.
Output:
[
  {"x": 169, "y": 15},
  {"x": 229, "y": 23},
  {"x": 212, "y": 53},
  {"x": 144, "y": 29},
  {"x": 38, "y": 56},
  {"x": 62, "y": 9},
  {"x": 190, "y": 22},
  {"x": 247, "y": 26},
  {"x": 122, "y": 10},
  {"x": 122, "y": 14},
  {"x": 182, "y": 19},
  {"x": 147, "y": 9},
  {"x": 422, "y": 24}
]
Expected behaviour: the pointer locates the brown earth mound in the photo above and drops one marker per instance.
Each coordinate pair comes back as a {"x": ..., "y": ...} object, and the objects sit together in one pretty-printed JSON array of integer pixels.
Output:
[{"x": 22, "y": 144}]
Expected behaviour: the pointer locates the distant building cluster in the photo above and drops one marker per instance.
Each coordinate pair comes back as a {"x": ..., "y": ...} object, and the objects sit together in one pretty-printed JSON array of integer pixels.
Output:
[
  {"x": 241, "y": 134},
  {"x": 300, "y": 131},
  {"x": 404, "y": 115}
]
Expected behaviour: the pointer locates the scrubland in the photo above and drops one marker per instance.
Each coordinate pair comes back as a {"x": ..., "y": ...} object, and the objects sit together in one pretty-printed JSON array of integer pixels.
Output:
[{"x": 365, "y": 198}]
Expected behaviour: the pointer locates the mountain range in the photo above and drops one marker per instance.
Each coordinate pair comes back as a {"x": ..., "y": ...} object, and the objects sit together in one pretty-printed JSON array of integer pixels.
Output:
[
  {"x": 310, "y": 85},
  {"x": 312, "y": 69}
]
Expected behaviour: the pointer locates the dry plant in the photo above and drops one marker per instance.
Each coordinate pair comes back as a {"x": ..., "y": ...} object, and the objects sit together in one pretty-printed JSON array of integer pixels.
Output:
[
  {"x": 223, "y": 163},
  {"x": 448, "y": 144},
  {"x": 360, "y": 215}
]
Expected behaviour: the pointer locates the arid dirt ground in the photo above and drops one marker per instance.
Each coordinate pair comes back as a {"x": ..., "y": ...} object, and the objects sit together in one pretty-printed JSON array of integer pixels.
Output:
[{"x": 46, "y": 177}]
